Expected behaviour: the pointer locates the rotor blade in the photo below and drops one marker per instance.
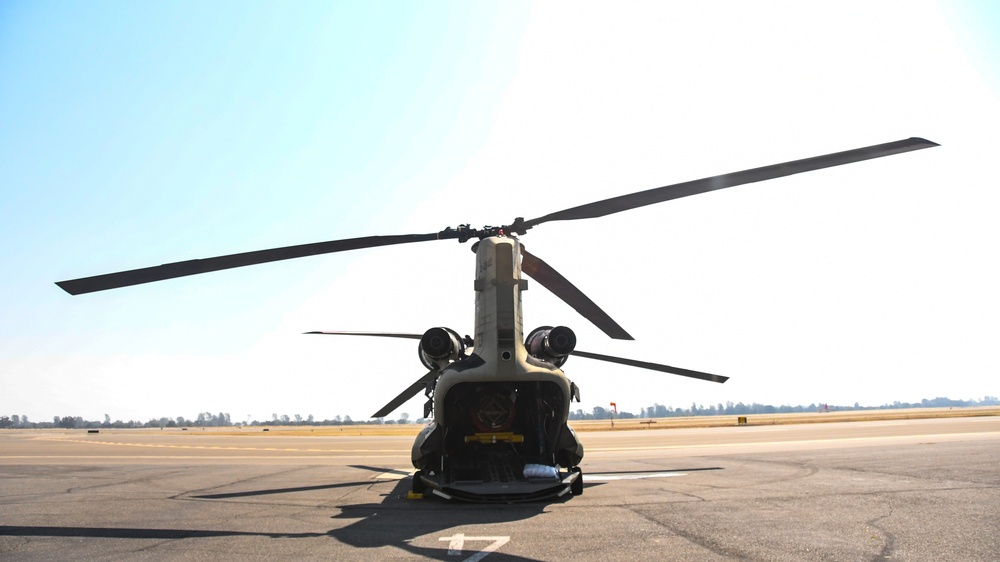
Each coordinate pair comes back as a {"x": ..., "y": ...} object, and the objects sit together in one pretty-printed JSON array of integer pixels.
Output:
[
  {"x": 410, "y": 392},
  {"x": 676, "y": 191},
  {"x": 194, "y": 267},
  {"x": 467, "y": 339},
  {"x": 562, "y": 288},
  {"x": 373, "y": 334},
  {"x": 653, "y": 366}
]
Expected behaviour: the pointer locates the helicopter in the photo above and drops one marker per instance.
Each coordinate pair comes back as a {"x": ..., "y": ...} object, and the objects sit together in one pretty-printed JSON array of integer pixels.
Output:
[{"x": 499, "y": 399}]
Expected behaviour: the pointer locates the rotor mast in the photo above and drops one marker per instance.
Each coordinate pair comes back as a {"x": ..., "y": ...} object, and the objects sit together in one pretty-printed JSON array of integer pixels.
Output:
[{"x": 499, "y": 332}]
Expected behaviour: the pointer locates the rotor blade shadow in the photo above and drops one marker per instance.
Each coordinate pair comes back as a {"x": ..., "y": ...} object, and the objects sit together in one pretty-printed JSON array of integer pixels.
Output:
[
  {"x": 381, "y": 470},
  {"x": 284, "y": 490},
  {"x": 136, "y": 533}
]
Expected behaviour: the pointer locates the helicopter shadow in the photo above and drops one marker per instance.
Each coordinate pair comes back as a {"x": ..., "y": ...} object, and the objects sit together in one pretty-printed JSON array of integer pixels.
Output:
[{"x": 399, "y": 522}]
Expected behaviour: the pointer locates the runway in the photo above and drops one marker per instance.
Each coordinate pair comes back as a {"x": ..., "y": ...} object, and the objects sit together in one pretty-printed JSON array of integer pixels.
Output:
[{"x": 899, "y": 490}]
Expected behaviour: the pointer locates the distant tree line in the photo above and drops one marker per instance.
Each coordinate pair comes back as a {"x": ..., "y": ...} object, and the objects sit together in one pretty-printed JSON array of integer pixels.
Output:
[
  {"x": 222, "y": 419},
  {"x": 203, "y": 419},
  {"x": 741, "y": 409},
  {"x": 284, "y": 419}
]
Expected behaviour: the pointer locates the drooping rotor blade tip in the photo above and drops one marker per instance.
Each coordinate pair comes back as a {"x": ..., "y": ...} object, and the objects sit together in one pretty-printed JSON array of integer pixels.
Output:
[
  {"x": 652, "y": 366},
  {"x": 219, "y": 263},
  {"x": 546, "y": 276},
  {"x": 410, "y": 392},
  {"x": 368, "y": 334},
  {"x": 66, "y": 286}
]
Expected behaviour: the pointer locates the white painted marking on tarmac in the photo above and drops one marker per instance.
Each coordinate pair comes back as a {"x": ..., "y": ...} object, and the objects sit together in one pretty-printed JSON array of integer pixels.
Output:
[
  {"x": 640, "y": 476},
  {"x": 397, "y": 474},
  {"x": 456, "y": 545}
]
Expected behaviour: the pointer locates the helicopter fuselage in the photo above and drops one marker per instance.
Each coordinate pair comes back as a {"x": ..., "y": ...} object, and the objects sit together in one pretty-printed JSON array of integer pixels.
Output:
[{"x": 499, "y": 428}]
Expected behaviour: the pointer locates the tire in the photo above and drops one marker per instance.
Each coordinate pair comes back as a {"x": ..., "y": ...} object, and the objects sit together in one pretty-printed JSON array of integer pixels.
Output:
[
  {"x": 576, "y": 488},
  {"x": 418, "y": 485}
]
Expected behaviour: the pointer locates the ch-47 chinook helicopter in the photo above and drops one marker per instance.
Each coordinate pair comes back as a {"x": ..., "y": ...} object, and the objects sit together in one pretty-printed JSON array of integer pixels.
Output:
[{"x": 500, "y": 401}]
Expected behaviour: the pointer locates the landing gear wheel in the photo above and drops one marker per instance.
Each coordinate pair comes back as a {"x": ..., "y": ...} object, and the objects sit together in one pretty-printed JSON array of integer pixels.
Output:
[
  {"x": 418, "y": 485},
  {"x": 576, "y": 487}
]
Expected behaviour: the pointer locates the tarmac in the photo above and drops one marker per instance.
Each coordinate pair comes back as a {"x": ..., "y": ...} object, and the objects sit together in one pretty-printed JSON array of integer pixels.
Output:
[{"x": 888, "y": 490}]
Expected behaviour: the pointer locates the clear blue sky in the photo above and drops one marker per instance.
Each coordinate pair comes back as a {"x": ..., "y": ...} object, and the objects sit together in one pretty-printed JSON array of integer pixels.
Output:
[{"x": 139, "y": 134}]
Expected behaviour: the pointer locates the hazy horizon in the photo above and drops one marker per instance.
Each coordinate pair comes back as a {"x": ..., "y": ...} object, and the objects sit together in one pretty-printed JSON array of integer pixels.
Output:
[{"x": 142, "y": 134}]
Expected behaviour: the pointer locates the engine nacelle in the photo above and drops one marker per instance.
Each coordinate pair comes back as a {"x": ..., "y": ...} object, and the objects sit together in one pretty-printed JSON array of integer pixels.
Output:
[
  {"x": 440, "y": 346},
  {"x": 551, "y": 344}
]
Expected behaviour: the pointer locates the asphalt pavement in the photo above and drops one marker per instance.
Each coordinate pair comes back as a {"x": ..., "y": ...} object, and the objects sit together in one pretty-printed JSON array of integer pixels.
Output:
[{"x": 895, "y": 490}]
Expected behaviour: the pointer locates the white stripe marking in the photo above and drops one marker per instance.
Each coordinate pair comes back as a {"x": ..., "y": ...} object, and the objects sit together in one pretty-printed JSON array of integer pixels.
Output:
[
  {"x": 610, "y": 477},
  {"x": 456, "y": 544}
]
